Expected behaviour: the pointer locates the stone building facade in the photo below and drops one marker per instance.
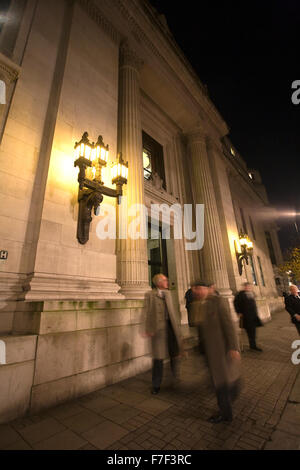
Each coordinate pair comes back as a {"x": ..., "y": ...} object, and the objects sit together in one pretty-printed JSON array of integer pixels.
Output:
[{"x": 71, "y": 314}]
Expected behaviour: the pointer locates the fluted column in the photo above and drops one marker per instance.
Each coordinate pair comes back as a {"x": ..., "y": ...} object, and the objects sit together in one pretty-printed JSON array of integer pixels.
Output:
[
  {"x": 214, "y": 259},
  {"x": 132, "y": 269}
]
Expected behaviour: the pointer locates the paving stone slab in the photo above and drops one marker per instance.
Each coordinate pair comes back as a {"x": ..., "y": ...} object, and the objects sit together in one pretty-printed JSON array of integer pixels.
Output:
[
  {"x": 283, "y": 441},
  {"x": 120, "y": 414},
  {"x": 122, "y": 395},
  {"x": 104, "y": 434},
  {"x": 20, "y": 444},
  {"x": 82, "y": 421},
  {"x": 153, "y": 406},
  {"x": 289, "y": 428},
  {"x": 7, "y": 436},
  {"x": 66, "y": 440},
  {"x": 40, "y": 431},
  {"x": 291, "y": 413},
  {"x": 65, "y": 411},
  {"x": 100, "y": 404},
  {"x": 295, "y": 394}
]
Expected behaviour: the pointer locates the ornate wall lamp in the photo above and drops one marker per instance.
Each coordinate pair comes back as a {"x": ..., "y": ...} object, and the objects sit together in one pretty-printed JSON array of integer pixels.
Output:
[
  {"x": 243, "y": 250},
  {"x": 91, "y": 158}
]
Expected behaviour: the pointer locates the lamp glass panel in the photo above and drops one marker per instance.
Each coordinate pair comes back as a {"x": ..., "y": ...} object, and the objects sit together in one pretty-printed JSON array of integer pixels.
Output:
[
  {"x": 103, "y": 154},
  {"x": 249, "y": 244},
  {"x": 87, "y": 152},
  {"x": 77, "y": 151},
  {"x": 114, "y": 171},
  {"x": 243, "y": 241},
  {"x": 82, "y": 150},
  {"x": 93, "y": 154}
]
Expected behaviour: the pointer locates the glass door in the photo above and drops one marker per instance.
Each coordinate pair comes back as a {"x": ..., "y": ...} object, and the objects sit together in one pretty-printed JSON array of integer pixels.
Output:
[{"x": 157, "y": 252}]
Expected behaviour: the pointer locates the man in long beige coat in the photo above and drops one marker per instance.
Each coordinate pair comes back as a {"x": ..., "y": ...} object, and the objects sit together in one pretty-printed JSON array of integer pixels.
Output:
[
  {"x": 161, "y": 325},
  {"x": 221, "y": 350}
]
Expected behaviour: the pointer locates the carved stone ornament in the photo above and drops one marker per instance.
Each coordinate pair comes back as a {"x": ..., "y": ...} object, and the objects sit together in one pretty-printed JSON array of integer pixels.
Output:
[
  {"x": 9, "y": 71},
  {"x": 157, "y": 181},
  {"x": 88, "y": 200}
]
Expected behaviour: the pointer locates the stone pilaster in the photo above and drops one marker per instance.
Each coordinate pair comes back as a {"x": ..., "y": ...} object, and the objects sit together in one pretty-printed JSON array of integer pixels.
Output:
[
  {"x": 214, "y": 259},
  {"x": 132, "y": 257}
]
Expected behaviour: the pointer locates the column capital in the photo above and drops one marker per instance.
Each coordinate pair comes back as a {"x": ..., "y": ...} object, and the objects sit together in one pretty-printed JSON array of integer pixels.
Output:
[
  {"x": 197, "y": 134},
  {"x": 129, "y": 58},
  {"x": 213, "y": 143}
]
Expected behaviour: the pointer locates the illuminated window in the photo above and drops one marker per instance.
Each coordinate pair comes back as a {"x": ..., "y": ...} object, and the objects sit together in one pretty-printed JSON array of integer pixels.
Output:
[
  {"x": 244, "y": 226},
  {"x": 254, "y": 278},
  {"x": 11, "y": 13},
  {"x": 261, "y": 271},
  {"x": 252, "y": 228},
  {"x": 270, "y": 247},
  {"x": 153, "y": 158},
  {"x": 147, "y": 164}
]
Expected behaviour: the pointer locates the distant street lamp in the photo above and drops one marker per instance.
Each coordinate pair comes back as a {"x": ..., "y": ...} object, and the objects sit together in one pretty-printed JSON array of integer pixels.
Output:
[
  {"x": 91, "y": 158},
  {"x": 243, "y": 249}
]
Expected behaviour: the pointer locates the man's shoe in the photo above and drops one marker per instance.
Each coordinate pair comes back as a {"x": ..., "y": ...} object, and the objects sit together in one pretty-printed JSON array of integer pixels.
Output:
[
  {"x": 219, "y": 419},
  {"x": 256, "y": 349},
  {"x": 155, "y": 390}
]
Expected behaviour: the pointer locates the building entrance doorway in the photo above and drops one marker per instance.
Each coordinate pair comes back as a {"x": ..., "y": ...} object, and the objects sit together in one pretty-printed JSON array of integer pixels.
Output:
[{"x": 157, "y": 252}]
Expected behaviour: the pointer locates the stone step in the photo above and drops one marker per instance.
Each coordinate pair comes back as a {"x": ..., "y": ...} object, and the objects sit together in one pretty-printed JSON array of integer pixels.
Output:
[{"x": 17, "y": 354}]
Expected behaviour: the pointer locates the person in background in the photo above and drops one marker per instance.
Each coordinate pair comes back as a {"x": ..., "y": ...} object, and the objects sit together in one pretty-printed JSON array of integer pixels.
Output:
[
  {"x": 161, "y": 325},
  {"x": 292, "y": 305},
  {"x": 221, "y": 349},
  {"x": 245, "y": 306},
  {"x": 195, "y": 319}
]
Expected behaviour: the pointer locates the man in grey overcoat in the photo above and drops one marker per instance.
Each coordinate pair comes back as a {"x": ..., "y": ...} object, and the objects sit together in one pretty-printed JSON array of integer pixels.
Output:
[
  {"x": 161, "y": 325},
  {"x": 221, "y": 350}
]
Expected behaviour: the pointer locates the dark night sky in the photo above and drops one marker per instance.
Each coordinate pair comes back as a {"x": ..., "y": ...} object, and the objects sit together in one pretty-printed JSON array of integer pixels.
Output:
[{"x": 246, "y": 53}]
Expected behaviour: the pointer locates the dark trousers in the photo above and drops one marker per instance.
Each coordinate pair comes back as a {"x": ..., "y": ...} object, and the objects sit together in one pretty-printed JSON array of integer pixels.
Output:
[
  {"x": 157, "y": 370},
  {"x": 225, "y": 396},
  {"x": 158, "y": 364},
  {"x": 251, "y": 332},
  {"x": 297, "y": 325},
  {"x": 200, "y": 340}
]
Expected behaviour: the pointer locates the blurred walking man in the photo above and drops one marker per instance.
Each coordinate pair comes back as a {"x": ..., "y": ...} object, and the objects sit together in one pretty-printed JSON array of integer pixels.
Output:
[
  {"x": 221, "y": 349},
  {"x": 162, "y": 326},
  {"x": 245, "y": 306},
  {"x": 292, "y": 305}
]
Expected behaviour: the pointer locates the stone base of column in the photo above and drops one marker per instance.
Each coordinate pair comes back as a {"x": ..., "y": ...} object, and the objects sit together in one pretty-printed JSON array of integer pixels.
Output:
[
  {"x": 135, "y": 292},
  {"x": 228, "y": 300},
  {"x": 42, "y": 286},
  {"x": 227, "y": 296}
]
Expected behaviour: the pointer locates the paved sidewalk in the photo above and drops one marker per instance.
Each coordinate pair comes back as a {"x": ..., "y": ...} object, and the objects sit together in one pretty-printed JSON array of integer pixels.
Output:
[{"x": 127, "y": 416}]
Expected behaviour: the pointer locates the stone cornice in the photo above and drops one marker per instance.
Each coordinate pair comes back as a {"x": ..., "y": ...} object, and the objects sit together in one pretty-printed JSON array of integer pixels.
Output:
[
  {"x": 180, "y": 67},
  {"x": 96, "y": 15},
  {"x": 195, "y": 86},
  {"x": 9, "y": 71},
  {"x": 235, "y": 174}
]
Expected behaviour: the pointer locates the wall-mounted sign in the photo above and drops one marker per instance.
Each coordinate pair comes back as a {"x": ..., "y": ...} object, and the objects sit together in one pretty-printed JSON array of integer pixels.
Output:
[{"x": 3, "y": 254}]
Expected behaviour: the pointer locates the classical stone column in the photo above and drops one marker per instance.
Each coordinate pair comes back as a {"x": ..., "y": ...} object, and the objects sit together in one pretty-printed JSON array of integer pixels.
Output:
[
  {"x": 132, "y": 269},
  {"x": 215, "y": 269}
]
